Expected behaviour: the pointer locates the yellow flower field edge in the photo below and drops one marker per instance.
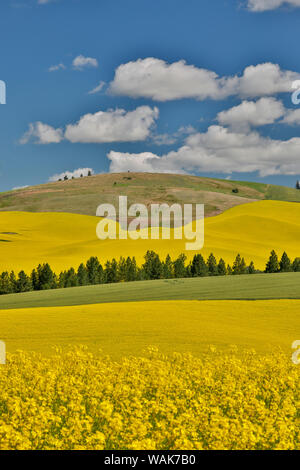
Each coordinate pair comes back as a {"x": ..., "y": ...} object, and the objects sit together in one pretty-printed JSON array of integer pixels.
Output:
[{"x": 77, "y": 400}]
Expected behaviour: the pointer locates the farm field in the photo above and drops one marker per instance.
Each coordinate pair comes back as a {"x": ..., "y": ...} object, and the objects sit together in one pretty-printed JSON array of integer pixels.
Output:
[
  {"x": 66, "y": 240},
  {"x": 246, "y": 287},
  {"x": 124, "y": 329}
]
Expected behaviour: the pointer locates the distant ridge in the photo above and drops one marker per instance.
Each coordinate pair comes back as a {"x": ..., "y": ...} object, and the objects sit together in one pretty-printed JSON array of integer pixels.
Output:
[{"x": 83, "y": 195}]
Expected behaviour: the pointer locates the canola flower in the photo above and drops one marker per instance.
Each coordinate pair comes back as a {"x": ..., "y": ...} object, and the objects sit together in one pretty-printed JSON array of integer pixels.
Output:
[
  {"x": 78, "y": 400},
  {"x": 64, "y": 240}
]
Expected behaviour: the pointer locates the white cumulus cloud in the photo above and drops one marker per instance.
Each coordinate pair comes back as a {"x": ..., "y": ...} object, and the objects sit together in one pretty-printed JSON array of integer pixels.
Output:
[
  {"x": 80, "y": 62},
  {"x": 113, "y": 126},
  {"x": 219, "y": 150},
  {"x": 264, "y": 5},
  {"x": 41, "y": 133},
  {"x": 252, "y": 114},
  {"x": 292, "y": 117},
  {"x": 156, "y": 79}
]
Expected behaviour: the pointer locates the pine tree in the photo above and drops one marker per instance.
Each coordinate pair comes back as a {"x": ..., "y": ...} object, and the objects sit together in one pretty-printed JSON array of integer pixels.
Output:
[
  {"x": 34, "y": 279},
  {"x": 212, "y": 265},
  {"x": 62, "y": 280},
  {"x": 122, "y": 269},
  {"x": 82, "y": 275},
  {"x": 179, "y": 268},
  {"x": 152, "y": 266},
  {"x": 24, "y": 283},
  {"x": 94, "y": 270},
  {"x": 199, "y": 267},
  {"x": 167, "y": 268},
  {"x": 13, "y": 281},
  {"x": 71, "y": 279},
  {"x": 229, "y": 270},
  {"x": 251, "y": 268},
  {"x": 46, "y": 277},
  {"x": 131, "y": 270},
  {"x": 296, "y": 265},
  {"x": 111, "y": 271},
  {"x": 222, "y": 268},
  {"x": 272, "y": 265},
  {"x": 239, "y": 266},
  {"x": 5, "y": 284},
  {"x": 285, "y": 264}
]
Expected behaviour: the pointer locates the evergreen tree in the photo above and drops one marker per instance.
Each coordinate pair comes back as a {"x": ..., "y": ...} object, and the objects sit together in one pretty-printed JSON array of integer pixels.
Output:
[
  {"x": 272, "y": 265},
  {"x": 71, "y": 278},
  {"x": 251, "y": 268},
  {"x": 222, "y": 268},
  {"x": 296, "y": 265},
  {"x": 95, "y": 271},
  {"x": 179, "y": 268},
  {"x": 46, "y": 277},
  {"x": 111, "y": 271},
  {"x": 167, "y": 268},
  {"x": 13, "y": 281},
  {"x": 199, "y": 267},
  {"x": 131, "y": 269},
  {"x": 122, "y": 269},
  {"x": 239, "y": 266},
  {"x": 34, "y": 279},
  {"x": 152, "y": 266},
  {"x": 212, "y": 265},
  {"x": 62, "y": 279},
  {"x": 285, "y": 264},
  {"x": 24, "y": 283},
  {"x": 82, "y": 275},
  {"x": 6, "y": 286},
  {"x": 229, "y": 270}
]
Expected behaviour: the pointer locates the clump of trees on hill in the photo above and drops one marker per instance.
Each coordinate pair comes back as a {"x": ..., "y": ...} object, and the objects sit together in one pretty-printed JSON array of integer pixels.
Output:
[{"x": 126, "y": 270}]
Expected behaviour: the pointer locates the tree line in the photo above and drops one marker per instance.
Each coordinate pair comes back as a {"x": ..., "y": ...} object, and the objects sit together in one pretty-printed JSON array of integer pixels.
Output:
[{"x": 126, "y": 270}]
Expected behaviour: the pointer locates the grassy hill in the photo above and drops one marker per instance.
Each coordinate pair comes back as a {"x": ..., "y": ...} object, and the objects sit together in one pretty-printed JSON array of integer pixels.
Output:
[
  {"x": 83, "y": 195},
  {"x": 247, "y": 287}
]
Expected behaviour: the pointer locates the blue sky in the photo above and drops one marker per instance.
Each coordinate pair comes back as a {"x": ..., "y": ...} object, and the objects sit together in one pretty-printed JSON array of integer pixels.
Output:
[{"x": 174, "y": 86}]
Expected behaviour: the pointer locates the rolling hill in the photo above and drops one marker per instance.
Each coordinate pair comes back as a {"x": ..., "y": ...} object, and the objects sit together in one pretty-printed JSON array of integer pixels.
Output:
[
  {"x": 83, "y": 195},
  {"x": 66, "y": 240}
]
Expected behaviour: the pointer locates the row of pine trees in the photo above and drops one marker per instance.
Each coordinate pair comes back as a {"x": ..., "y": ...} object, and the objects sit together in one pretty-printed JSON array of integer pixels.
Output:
[{"x": 126, "y": 270}]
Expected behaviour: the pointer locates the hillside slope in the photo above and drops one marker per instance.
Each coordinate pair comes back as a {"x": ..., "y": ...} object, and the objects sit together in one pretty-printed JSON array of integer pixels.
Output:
[
  {"x": 247, "y": 287},
  {"x": 65, "y": 240},
  {"x": 83, "y": 195}
]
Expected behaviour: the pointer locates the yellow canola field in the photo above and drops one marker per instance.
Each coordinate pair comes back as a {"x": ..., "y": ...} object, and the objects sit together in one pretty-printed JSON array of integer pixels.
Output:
[
  {"x": 123, "y": 329},
  {"x": 76, "y": 400},
  {"x": 65, "y": 240}
]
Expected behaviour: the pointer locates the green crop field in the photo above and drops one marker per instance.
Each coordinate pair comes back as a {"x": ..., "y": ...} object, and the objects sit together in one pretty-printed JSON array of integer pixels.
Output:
[{"x": 247, "y": 287}]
